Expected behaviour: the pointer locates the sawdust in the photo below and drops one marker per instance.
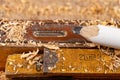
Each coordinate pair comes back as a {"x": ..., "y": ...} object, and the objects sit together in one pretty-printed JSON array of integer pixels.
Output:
[
  {"x": 60, "y": 9},
  {"x": 31, "y": 57},
  {"x": 16, "y": 33},
  {"x": 113, "y": 63},
  {"x": 14, "y": 30}
]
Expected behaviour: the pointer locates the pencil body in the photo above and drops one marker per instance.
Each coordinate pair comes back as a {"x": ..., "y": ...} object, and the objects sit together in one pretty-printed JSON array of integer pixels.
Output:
[{"x": 106, "y": 35}]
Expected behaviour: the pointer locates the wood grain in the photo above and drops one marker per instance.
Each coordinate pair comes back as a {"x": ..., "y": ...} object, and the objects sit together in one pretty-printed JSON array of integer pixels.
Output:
[{"x": 72, "y": 62}]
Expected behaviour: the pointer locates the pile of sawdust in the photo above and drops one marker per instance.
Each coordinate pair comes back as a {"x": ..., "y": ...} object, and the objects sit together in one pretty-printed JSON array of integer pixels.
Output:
[
  {"x": 14, "y": 30},
  {"x": 60, "y": 9},
  {"x": 113, "y": 63}
]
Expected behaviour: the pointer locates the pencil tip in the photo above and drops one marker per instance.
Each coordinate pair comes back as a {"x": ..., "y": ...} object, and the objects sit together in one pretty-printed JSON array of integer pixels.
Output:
[{"x": 76, "y": 30}]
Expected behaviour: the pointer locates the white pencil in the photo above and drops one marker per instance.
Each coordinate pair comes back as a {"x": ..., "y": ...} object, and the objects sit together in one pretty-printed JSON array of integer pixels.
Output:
[{"x": 103, "y": 35}]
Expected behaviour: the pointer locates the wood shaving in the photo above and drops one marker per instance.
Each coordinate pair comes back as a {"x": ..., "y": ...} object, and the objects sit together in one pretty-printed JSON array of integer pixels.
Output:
[
  {"x": 30, "y": 55},
  {"x": 33, "y": 55},
  {"x": 85, "y": 70},
  {"x": 99, "y": 69},
  {"x": 28, "y": 66},
  {"x": 107, "y": 51},
  {"x": 63, "y": 58},
  {"x": 50, "y": 46},
  {"x": 117, "y": 52},
  {"x": 72, "y": 69},
  {"x": 50, "y": 68},
  {"x": 31, "y": 62},
  {"x": 63, "y": 70},
  {"x": 14, "y": 68},
  {"x": 19, "y": 65},
  {"x": 114, "y": 62},
  {"x": 24, "y": 55},
  {"x": 2, "y": 44},
  {"x": 32, "y": 58},
  {"x": 90, "y": 44},
  {"x": 37, "y": 58},
  {"x": 110, "y": 63},
  {"x": 16, "y": 72}
]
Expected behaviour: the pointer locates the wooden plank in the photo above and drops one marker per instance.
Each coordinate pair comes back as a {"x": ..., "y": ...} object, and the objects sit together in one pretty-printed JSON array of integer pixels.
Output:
[{"x": 71, "y": 62}]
